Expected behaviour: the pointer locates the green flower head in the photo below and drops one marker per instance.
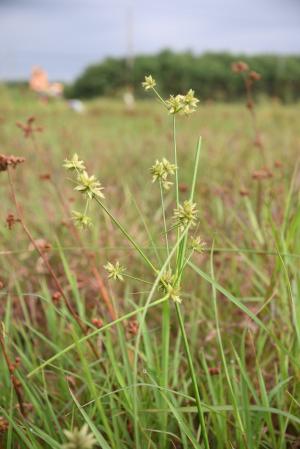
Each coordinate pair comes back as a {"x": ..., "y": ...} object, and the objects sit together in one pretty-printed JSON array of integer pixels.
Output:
[
  {"x": 197, "y": 244},
  {"x": 175, "y": 104},
  {"x": 191, "y": 101},
  {"x": 74, "y": 164},
  {"x": 186, "y": 214},
  {"x": 174, "y": 293},
  {"x": 149, "y": 82},
  {"x": 81, "y": 220},
  {"x": 115, "y": 271},
  {"x": 168, "y": 285},
  {"x": 79, "y": 438},
  {"x": 161, "y": 170},
  {"x": 89, "y": 185},
  {"x": 182, "y": 104}
]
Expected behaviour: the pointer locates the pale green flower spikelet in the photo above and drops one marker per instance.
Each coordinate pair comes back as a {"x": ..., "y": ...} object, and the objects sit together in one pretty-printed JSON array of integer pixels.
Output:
[
  {"x": 168, "y": 167},
  {"x": 115, "y": 271},
  {"x": 186, "y": 214},
  {"x": 174, "y": 292},
  {"x": 86, "y": 184},
  {"x": 183, "y": 104},
  {"x": 197, "y": 244},
  {"x": 157, "y": 171},
  {"x": 191, "y": 101},
  {"x": 149, "y": 82},
  {"x": 81, "y": 220},
  {"x": 74, "y": 164},
  {"x": 175, "y": 104},
  {"x": 161, "y": 170},
  {"x": 89, "y": 185},
  {"x": 168, "y": 285},
  {"x": 79, "y": 438},
  {"x": 168, "y": 278}
]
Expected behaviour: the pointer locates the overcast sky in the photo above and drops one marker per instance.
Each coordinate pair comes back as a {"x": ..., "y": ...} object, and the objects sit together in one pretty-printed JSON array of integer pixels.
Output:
[{"x": 64, "y": 36}]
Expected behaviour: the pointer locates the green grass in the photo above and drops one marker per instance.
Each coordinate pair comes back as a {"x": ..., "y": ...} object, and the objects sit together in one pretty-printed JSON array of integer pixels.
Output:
[{"x": 228, "y": 355}]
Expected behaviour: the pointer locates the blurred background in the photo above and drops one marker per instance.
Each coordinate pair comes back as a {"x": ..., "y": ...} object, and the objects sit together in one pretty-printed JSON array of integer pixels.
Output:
[{"x": 99, "y": 48}]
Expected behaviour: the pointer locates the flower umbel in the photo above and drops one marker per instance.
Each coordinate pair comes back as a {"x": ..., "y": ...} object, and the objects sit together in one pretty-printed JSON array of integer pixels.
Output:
[
  {"x": 191, "y": 102},
  {"x": 115, "y": 271},
  {"x": 183, "y": 104},
  {"x": 74, "y": 164},
  {"x": 161, "y": 170},
  {"x": 81, "y": 220},
  {"x": 149, "y": 82},
  {"x": 175, "y": 104},
  {"x": 186, "y": 214},
  {"x": 174, "y": 292},
  {"x": 168, "y": 285},
  {"x": 79, "y": 438},
  {"x": 197, "y": 244},
  {"x": 169, "y": 168},
  {"x": 89, "y": 185}
]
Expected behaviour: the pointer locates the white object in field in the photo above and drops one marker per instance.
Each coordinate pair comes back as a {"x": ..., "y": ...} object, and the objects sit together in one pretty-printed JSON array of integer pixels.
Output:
[
  {"x": 129, "y": 100},
  {"x": 76, "y": 105}
]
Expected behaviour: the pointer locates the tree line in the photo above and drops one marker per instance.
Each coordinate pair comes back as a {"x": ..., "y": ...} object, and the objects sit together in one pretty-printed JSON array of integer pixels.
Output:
[{"x": 209, "y": 74}]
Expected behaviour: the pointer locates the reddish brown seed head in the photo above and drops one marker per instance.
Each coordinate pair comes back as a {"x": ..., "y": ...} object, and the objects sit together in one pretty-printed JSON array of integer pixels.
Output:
[
  {"x": 6, "y": 161},
  {"x": 239, "y": 67},
  {"x": 11, "y": 220},
  {"x": 263, "y": 173},
  {"x": 254, "y": 76},
  {"x": 56, "y": 297},
  {"x": 214, "y": 370},
  {"x": 97, "y": 322}
]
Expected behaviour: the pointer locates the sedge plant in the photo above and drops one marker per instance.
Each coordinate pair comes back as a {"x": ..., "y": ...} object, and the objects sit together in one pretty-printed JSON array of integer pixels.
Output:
[{"x": 170, "y": 276}]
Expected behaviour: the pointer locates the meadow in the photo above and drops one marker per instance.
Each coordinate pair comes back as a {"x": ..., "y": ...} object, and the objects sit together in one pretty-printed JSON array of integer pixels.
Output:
[{"x": 140, "y": 361}]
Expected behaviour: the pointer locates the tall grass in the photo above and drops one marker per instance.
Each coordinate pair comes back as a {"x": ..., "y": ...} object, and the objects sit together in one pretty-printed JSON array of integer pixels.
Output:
[{"x": 193, "y": 346}]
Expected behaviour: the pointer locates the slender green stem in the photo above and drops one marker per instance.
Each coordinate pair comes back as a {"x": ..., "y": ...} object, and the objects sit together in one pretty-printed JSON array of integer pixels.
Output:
[
  {"x": 164, "y": 217},
  {"x": 160, "y": 97},
  {"x": 96, "y": 332},
  {"x": 165, "y": 331},
  {"x": 183, "y": 246},
  {"x": 124, "y": 232},
  {"x": 175, "y": 161},
  {"x": 165, "y": 363},
  {"x": 86, "y": 206},
  {"x": 139, "y": 334},
  {"x": 196, "y": 164},
  {"x": 193, "y": 377},
  {"x": 134, "y": 278}
]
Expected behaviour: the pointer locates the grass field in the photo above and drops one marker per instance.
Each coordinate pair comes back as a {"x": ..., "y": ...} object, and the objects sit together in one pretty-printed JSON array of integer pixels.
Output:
[{"x": 123, "y": 357}]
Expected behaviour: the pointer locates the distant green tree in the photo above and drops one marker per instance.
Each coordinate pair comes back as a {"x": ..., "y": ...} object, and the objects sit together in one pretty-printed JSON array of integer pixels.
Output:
[{"x": 209, "y": 74}]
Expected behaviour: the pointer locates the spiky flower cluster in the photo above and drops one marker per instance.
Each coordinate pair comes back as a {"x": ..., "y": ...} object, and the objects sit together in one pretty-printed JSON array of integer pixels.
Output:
[
  {"x": 149, "y": 82},
  {"x": 115, "y": 271},
  {"x": 183, "y": 104},
  {"x": 86, "y": 184},
  {"x": 79, "y": 438},
  {"x": 89, "y": 185},
  {"x": 74, "y": 164},
  {"x": 186, "y": 214},
  {"x": 161, "y": 170},
  {"x": 197, "y": 244},
  {"x": 81, "y": 220},
  {"x": 168, "y": 285}
]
